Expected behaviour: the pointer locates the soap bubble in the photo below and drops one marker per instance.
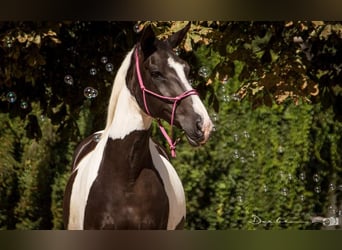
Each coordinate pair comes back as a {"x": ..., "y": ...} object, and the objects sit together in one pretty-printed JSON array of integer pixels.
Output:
[
  {"x": 97, "y": 137},
  {"x": 317, "y": 189},
  {"x": 137, "y": 28},
  {"x": 246, "y": 134},
  {"x": 104, "y": 59},
  {"x": 177, "y": 51},
  {"x": 223, "y": 94},
  {"x": 280, "y": 149},
  {"x": 332, "y": 187},
  {"x": 316, "y": 178},
  {"x": 236, "y": 137},
  {"x": 214, "y": 129},
  {"x": 224, "y": 79},
  {"x": 9, "y": 42},
  {"x": 69, "y": 80},
  {"x": 92, "y": 71},
  {"x": 11, "y": 97},
  {"x": 109, "y": 67},
  {"x": 239, "y": 199},
  {"x": 243, "y": 159},
  {"x": 284, "y": 191},
  {"x": 226, "y": 98},
  {"x": 302, "y": 176},
  {"x": 23, "y": 104},
  {"x": 326, "y": 221},
  {"x": 90, "y": 92},
  {"x": 215, "y": 117},
  {"x": 222, "y": 88},
  {"x": 235, "y": 97},
  {"x": 204, "y": 71},
  {"x": 236, "y": 154},
  {"x": 332, "y": 210}
]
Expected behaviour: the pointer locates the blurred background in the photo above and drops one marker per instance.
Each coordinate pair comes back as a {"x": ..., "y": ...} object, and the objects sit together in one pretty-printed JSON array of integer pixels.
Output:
[{"x": 273, "y": 90}]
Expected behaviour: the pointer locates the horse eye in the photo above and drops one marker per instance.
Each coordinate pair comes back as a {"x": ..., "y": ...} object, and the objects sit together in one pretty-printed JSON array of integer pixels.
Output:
[{"x": 156, "y": 74}]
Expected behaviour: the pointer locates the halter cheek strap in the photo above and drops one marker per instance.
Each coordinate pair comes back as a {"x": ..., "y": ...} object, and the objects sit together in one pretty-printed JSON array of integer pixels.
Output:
[{"x": 175, "y": 100}]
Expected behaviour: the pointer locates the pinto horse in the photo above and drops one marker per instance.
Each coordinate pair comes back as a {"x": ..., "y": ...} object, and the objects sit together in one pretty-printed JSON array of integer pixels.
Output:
[{"x": 120, "y": 178}]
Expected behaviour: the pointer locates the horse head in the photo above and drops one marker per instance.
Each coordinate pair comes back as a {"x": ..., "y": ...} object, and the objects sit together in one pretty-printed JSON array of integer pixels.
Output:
[{"x": 164, "y": 91}]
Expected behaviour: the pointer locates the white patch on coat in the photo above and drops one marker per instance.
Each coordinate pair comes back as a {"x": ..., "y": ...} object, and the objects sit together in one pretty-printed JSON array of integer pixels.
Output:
[
  {"x": 124, "y": 114},
  {"x": 119, "y": 82},
  {"x": 128, "y": 116},
  {"x": 87, "y": 171},
  {"x": 80, "y": 150},
  {"x": 197, "y": 104},
  {"x": 173, "y": 187}
]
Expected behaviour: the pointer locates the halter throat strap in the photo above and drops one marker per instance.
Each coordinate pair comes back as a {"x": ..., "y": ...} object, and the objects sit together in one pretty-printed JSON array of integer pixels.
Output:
[{"x": 175, "y": 100}]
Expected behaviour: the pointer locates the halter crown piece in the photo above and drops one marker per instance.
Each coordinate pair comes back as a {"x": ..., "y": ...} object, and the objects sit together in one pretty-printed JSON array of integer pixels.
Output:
[{"x": 175, "y": 100}]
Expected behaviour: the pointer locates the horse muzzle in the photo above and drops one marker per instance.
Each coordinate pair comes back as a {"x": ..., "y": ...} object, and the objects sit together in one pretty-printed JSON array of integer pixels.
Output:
[{"x": 200, "y": 135}]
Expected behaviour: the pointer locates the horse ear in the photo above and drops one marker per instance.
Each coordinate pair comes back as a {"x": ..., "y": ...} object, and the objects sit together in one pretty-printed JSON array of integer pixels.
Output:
[
  {"x": 177, "y": 37},
  {"x": 147, "y": 41}
]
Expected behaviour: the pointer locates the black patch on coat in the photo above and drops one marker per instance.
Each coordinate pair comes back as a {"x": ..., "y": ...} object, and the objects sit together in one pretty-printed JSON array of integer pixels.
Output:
[{"x": 128, "y": 192}]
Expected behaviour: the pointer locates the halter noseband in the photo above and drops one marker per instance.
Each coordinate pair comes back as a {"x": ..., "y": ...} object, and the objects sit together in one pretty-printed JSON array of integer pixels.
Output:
[{"x": 175, "y": 100}]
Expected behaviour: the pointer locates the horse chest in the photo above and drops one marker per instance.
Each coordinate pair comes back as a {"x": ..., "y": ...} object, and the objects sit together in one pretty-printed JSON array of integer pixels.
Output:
[
  {"x": 130, "y": 205},
  {"x": 131, "y": 191}
]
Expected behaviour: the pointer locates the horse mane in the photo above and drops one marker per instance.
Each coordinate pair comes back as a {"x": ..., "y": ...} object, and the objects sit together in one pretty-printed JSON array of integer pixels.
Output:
[{"x": 119, "y": 82}]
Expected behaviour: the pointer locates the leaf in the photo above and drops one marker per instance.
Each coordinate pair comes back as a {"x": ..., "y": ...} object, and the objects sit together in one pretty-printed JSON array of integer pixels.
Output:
[
  {"x": 37, "y": 39},
  {"x": 22, "y": 38},
  {"x": 55, "y": 40},
  {"x": 176, "y": 26},
  {"x": 326, "y": 32},
  {"x": 195, "y": 37},
  {"x": 187, "y": 44},
  {"x": 50, "y": 33},
  {"x": 289, "y": 24},
  {"x": 317, "y": 23}
]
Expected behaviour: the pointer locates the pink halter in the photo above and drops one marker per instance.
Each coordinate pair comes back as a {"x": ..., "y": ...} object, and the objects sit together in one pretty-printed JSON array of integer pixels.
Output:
[{"x": 175, "y": 100}]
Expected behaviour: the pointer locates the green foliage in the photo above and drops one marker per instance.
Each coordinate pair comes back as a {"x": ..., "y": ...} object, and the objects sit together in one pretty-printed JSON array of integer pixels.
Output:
[
  {"x": 252, "y": 166},
  {"x": 8, "y": 180},
  {"x": 275, "y": 154}
]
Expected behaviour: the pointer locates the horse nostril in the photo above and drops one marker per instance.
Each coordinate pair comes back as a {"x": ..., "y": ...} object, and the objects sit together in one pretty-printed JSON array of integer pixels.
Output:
[{"x": 199, "y": 125}]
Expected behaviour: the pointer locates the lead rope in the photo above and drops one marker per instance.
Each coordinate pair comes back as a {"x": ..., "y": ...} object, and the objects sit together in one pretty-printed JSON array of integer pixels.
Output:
[{"x": 175, "y": 100}]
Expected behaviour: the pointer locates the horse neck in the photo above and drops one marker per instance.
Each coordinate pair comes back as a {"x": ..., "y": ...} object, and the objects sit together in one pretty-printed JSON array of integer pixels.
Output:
[
  {"x": 130, "y": 134},
  {"x": 124, "y": 113},
  {"x": 128, "y": 116}
]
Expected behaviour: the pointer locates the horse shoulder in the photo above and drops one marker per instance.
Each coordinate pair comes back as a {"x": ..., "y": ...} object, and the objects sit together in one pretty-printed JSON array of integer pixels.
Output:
[
  {"x": 85, "y": 147},
  {"x": 161, "y": 150},
  {"x": 80, "y": 158},
  {"x": 173, "y": 186}
]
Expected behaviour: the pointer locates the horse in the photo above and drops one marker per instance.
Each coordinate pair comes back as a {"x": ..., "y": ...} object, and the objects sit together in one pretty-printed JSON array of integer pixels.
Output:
[{"x": 121, "y": 178}]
